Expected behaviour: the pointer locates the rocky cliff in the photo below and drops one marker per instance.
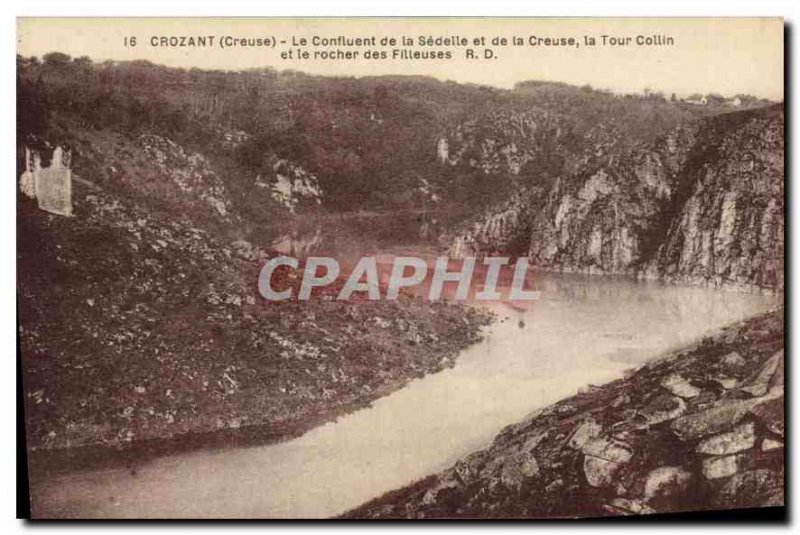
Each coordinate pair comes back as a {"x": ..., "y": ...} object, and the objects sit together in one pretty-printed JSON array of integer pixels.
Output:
[
  {"x": 702, "y": 203},
  {"x": 701, "y": 429},
  {"x": 730, "y": 231}
]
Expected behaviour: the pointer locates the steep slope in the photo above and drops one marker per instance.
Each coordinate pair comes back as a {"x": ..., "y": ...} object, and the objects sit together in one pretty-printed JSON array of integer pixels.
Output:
[
  {"x": 702, "y": 203},
  {"x": 731, "y": 229},
  {"x": 136, "y": 325},
  {"x": 369, "y": 142},
  {"x": 601, "y": 218}
]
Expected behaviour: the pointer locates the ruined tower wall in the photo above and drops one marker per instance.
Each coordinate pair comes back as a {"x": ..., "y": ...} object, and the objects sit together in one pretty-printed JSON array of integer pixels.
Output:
[{"x": 50, "y": 186}]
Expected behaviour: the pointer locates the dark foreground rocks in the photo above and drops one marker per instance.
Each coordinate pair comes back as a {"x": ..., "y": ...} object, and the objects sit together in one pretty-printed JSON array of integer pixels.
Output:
[{"x": 700, "y": 429}]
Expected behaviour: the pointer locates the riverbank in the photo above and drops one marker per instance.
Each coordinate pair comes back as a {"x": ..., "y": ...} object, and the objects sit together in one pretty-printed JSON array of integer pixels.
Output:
[
  {"x": 702, "y": 428},
  {"x": 582, "y": 331},
  {"x": 449, "y": 329},
  {"x": 141, "y": 335}
]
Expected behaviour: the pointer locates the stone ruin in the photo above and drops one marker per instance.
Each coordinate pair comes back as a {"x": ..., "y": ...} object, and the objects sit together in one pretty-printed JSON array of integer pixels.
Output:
[{"x": 50, "y": 186}]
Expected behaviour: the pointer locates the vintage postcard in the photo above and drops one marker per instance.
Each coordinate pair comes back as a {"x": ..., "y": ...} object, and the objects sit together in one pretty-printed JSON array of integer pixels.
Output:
[{"x": 400, "y": 268}]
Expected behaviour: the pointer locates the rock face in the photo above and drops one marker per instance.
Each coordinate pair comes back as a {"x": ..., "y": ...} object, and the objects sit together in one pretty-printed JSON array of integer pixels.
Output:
[
  {"x": 192, "y": 173},
  {"x": 505, "y": 141},
  {"x": 504, "y": 230},
  {"x": 291, "y": 185},
  {"x": 666, "y": 438},
  {"x": 730, "y": 230},
  {"x": 701, "y": 204},
  {"x": 598, "y": 220}
]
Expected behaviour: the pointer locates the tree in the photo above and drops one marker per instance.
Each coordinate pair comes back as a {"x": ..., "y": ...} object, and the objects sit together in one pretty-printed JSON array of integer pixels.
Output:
[
  {"x": 56, "y": 59},
  {"x": 83, "y": 61}
]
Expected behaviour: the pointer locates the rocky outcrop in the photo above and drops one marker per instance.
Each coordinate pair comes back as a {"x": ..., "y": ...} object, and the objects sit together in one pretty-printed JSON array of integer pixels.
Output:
[
  {"x": 291, "y": 186},
  {"x": 730, "y": 230},
  {"x": 601, "y": 220},
  {"x": 702, "y": 428},
  {"x": 192, "y": 173},
  {"x": 702, "y": 204},
  {"x": 505, "y": 229},
  {"x": 595, "y": 219},
  {"x": 505, "y": 140}
]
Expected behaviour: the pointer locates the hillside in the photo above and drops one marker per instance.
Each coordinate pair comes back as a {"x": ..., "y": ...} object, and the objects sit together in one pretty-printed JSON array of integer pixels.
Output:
[
  {"x": 369, "y": 143},
  {"x": 135, "y": 326}
]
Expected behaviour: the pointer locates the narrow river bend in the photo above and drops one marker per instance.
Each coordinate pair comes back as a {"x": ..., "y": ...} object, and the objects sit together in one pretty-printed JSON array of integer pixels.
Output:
[{"x": 582, "y": 331}]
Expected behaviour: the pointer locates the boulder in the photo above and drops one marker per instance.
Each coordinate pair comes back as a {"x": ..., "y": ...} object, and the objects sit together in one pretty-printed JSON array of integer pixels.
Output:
[
  {"x": 518, "y": 469},
  {"x": 432, "y": 494},
  {"x": 662, "y": 409},
  {"x": 533, "y": 441},
  {"x": 608, "y": 449},
  {"x": 584, "y": 432},
  {"x": 678, "y": 386},
  {"x": 769, "y": 444},
  {"x": 748, "y": 489},
  {"x": 759, "y": 383},
  {"x": 777, "y": 378},
  {"x": 629, "y": 507},
  {"x": 619, "y": 401},
  {"x": 465, "y": 471},
  {"x": 770, "y": 413},
  {"x": 740, "y": 438},
  {"x": 666, "y": 482},
  {"x": 733, "y": 363},
  {"x": 728, "y": 383},
  {"x": 716, "y": 419},
  {"x": 555, "y": 485},
  {"x": 719, "y": 467},
  {"x": 599, "y": 472}
]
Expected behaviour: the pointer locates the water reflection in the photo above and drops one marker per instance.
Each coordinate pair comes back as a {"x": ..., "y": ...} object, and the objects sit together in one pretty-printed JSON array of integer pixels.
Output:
[
  {"x": 297, "y": 243},
  {"x": 357, "y": 233}
]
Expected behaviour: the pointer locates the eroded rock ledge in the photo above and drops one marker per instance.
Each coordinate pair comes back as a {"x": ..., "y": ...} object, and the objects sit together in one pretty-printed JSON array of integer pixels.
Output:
[{"x": 702, "y": 428}]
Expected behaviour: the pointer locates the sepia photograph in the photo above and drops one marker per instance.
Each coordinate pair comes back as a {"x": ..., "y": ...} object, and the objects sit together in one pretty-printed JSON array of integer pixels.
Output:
[{"x": 400, "y": 268}]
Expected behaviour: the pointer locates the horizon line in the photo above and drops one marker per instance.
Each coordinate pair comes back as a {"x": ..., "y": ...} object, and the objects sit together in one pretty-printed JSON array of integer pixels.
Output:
[{"x": 514, "y": 88}]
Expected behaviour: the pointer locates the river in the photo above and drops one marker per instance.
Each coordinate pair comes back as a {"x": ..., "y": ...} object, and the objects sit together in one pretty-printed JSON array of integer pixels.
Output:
[{"x": 582, "y": 331}]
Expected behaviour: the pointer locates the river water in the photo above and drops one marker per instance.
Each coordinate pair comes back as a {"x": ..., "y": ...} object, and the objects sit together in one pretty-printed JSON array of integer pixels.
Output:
[{"x": 582, "y": 331}]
